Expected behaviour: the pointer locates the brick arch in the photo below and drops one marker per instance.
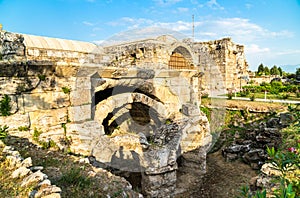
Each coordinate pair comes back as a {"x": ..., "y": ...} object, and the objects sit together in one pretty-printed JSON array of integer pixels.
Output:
[{"x": 181, "y": 57}]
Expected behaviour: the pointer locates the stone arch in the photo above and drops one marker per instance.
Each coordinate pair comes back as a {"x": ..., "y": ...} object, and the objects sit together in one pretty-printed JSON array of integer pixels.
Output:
[
  {"x": 114, "y": 104},
  {"x": 181, "y": 57}
]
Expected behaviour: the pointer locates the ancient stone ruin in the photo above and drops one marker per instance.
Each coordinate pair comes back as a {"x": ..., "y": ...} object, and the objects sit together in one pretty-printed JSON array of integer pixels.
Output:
[{"x": 133, "y": 107}]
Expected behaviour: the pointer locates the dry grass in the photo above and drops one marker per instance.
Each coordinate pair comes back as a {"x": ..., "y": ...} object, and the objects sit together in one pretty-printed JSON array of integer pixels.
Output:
[
  {"x": 243, "y": 104},
  {"x": 76, "y": 179}
]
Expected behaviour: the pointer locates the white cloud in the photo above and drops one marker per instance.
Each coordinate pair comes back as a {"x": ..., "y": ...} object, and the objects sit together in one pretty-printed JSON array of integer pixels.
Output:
[
  {"x": 88, "y": 23},
  {"x": 239, "y": 29},
  {"x": 131, "y": 22},
  {"x": 213, "y": 4},
  {"x": 255, "y": 49},
  {"x": 181, "y": 9},
  {"x": 98, "y": 42},
  {"x": 288, "y": 52}
]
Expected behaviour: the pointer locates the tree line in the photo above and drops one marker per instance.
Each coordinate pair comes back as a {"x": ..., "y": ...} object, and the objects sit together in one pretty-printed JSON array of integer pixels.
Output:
[{"x": 264, "y": 70}]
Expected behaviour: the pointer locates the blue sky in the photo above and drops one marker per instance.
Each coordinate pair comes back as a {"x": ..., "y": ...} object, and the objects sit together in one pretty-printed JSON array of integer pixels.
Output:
[{"x": 269, "y": 29}]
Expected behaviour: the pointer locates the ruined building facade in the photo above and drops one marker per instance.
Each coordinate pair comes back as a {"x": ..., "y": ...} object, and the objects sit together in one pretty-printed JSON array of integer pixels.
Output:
[{"x": 132, "y": 106}]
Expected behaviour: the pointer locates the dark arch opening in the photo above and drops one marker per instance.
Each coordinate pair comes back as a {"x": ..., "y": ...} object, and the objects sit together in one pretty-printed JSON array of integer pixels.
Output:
[
  {"x": 140, "y": 113},
  {"x": 106, "y": 93}
]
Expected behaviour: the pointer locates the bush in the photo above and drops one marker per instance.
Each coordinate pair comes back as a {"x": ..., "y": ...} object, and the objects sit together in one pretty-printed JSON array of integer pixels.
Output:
[
  {"x": 252, "y": 97},
  {"x": 5, "y": 106},
  {"x": 36, "y": 135},
  {"x": 3, "y": 132},
  {"x": 285, "y": 96},
  {"x": 229, "y": 95}
]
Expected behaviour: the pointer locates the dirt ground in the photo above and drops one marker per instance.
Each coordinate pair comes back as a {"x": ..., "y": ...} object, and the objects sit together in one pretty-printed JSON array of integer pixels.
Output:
[{"x": 222, "y": 180}]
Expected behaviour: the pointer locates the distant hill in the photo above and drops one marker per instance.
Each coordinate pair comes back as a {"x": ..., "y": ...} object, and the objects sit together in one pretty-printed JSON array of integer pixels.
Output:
[{"x": 290, "y": 68}]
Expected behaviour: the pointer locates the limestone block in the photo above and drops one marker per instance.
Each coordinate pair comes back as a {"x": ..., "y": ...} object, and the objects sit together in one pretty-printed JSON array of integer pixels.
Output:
[
  {"x": 89, "y": 129},
  {"x": 104, "y": 150},
  {"x": 80, "y": 97},
  {"x": 80, "y": 113},
  {"x": 27, "y": 162},
  {"x": 20, "y": 172},
  {"x": 83, "y": 83},
  {"x": 43, "y": 101},
  {"x": 15, "y": 121},
  {"x": 190, "y": 109},
  {"x": 47, "y": 118},
  {"x": 35, "y": 177}
]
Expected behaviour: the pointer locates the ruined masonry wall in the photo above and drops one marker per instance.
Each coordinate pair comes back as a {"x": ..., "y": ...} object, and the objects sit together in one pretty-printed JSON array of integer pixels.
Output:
[{"x": 222, "y": 60}]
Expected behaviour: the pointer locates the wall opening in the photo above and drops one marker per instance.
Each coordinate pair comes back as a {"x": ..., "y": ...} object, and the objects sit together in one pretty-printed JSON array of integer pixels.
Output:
[{"x": 181, "y": 59}]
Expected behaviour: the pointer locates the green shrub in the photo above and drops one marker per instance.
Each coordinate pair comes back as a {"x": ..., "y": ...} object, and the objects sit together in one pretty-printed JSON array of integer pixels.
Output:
[
  {"x": 42, "y": 77},
  {"x": 48, "y": 144},
  {"x": 5, "y": 106},
  {"x": 206, "y": 111},
  {"x": 252, "y": 97},
  {"x": 285, "y": 96},
  {"x": 229, "y": 96},
  {"x": 3, "y": 132},
  {"x": 36, "y": 134},
  {"x": 66, "y": 90}
]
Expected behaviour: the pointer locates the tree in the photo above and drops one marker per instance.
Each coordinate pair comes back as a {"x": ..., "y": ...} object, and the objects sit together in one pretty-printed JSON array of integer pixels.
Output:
[
  {"x": 280, "y": 71},
  {"x": 298, "y": 74},
  {"x": 267, "y": 70},
  {"x": 274, "y": 70},
  {"x": 260, "y": 70}
]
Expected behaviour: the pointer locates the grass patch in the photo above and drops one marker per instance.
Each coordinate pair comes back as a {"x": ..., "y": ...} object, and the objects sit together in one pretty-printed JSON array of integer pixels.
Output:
[
  {"x": 10, "y": 187},
  {"x": 3, "y": 132},
  {"x": 75, "y": 178},
  {"x": 23, "y": 128}
]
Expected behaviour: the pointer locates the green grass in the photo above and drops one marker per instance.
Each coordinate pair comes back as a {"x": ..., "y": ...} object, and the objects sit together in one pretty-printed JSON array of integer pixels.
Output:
[{"x": 10, "y": 187}]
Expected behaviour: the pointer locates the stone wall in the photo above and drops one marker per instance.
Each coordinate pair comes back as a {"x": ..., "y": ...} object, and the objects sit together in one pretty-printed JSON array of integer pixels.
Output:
[
  {"x": 223, "y": 64},
  {"x": 11, "y": 46}
]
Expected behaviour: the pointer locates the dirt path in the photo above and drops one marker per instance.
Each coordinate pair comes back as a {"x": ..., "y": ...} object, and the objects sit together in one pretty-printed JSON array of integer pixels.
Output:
[{"x": 222, "y": 180}]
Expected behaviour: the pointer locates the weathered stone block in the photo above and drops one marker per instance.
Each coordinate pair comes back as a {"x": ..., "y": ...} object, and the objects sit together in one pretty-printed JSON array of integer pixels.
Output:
[
  {"x": 15, "y": 121},
  {"x": 46, "y": 118},
  {"x": 43, "y": 101},
  {"x": 190, "y": 109},
  {"x": 80, "y": 113},
  {"x": 80, "y": 97}
]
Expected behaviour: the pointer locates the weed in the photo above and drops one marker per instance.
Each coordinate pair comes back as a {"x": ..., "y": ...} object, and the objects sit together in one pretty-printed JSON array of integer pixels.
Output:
[
  {"x": 23, "y": 128},
  {"x": 74, "y": 177},
  {"x": 168, "y": 121},
  {"x": 3, "y": 132},
  {"x": 5, "y": 106},
  {"x": 42, "y": 77},
  {"x": 206, "y": 111},
  {"x": 36, "y": 135},
  {"x": 252, "y": 97},
  {"x": 48, "y": 144},
  {"x": 66, "y": 90}
]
